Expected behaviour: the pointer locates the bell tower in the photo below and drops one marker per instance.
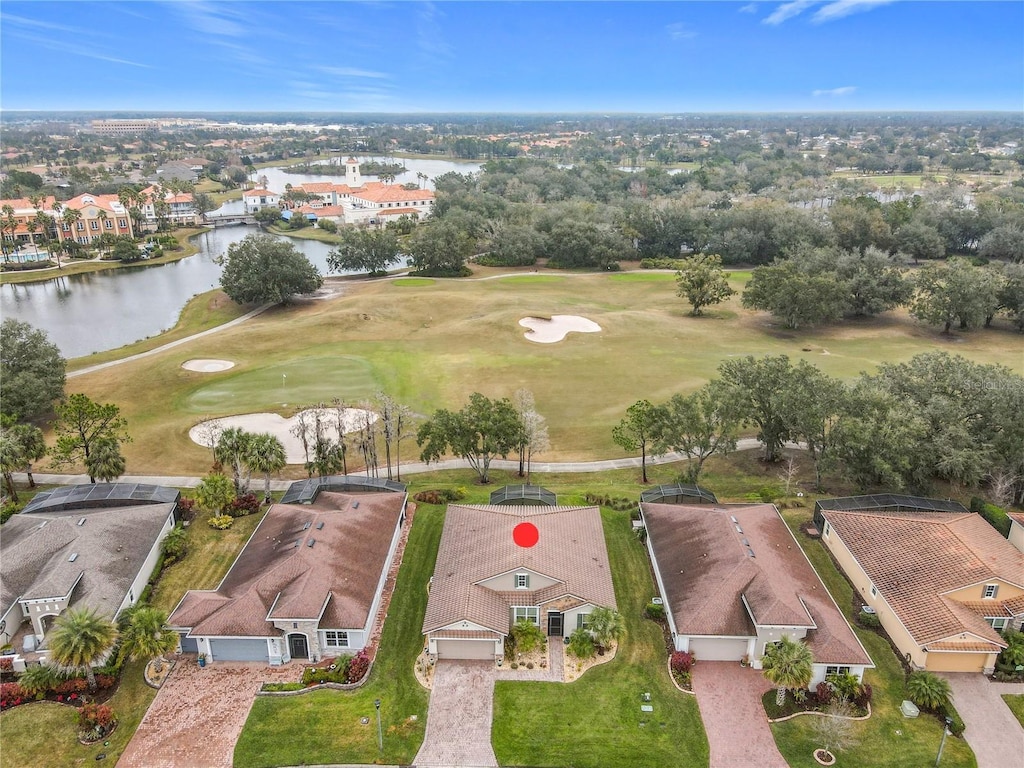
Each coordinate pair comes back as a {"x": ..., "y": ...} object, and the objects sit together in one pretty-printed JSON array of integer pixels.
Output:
[{"x": 352, "y": 177}]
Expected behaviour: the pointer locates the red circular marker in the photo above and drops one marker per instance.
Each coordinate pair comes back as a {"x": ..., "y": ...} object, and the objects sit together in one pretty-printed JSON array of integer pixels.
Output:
[{"x": 525, "y": 535}]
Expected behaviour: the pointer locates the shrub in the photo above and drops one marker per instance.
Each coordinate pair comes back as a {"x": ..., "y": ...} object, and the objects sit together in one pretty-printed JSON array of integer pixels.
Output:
[
  {"x": 441, "y": 496},
  {"x": 869, "y": 620},
  {"x": 282, "y": 687},
  {"x": 37, "y": 680},
  {"x": 769, "y": 493},
  {"x": 581, "y": 644},
  {"x": 104, "y": 681},
  {"x": 845, "y": 685},
  {"x": 929, "y": 691},
  {"x": 682, "y": 661},
  {"x": 12, "y": 692},
  {"x": 8, "y": 510},
  {"x": 863, "y": 697},
  {"x": 327, "y": 225},
  {"x": 661, "y": 263},
  {"x": 246, "y": 504},
  {"x": 74, "y": 685},
  {"x": 655, "y": 611},
  {"x": 358, "y": 667},
  {"x": 429, "y": 497},
  {"x": 956, "y": 724},
  {"x": 527, "y": 636},
  {"x": 6, "y": 663},
  {"x": 221, "y": 522},
  {"x": 339, "y": 674},
  {"x": 175, "y": 545},
  {"x": 186, "y": 509},
  {"x": 95, "y": 717},
  {"x": 824, "y": 694}
]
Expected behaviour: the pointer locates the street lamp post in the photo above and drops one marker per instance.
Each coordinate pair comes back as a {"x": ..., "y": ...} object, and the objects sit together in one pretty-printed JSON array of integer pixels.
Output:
[
  {"x": 380, "y": 733},
  {"x": 945, "y": 732}
]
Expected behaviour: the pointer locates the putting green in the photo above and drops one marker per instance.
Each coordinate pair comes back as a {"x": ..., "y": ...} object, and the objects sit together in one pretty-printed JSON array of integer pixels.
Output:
[
  {"x": 412, "y": 282},
  {"x": 297, "y": 382}
]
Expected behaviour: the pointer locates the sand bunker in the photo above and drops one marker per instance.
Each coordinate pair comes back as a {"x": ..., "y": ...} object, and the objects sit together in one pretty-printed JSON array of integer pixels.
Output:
[
  {"x": 549, "y": 331},
  {"x": 207, "y": 366},
  {"x": 206, "y": 433}
]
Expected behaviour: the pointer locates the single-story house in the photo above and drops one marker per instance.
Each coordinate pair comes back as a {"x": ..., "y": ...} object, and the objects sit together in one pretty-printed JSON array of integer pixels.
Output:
[
  {"x": 307, "y": 584},
  {"x": 942, "y": 584},
  {"x": 92, "y": 546},
  {"x": 484, "y": 582},
  {"x": 734, "y": 580}
]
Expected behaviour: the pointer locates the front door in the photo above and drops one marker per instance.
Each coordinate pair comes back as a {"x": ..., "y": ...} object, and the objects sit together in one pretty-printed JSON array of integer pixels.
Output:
[
  {"x": 554, "y": 624},
  {"x": 298, "y": 646}
]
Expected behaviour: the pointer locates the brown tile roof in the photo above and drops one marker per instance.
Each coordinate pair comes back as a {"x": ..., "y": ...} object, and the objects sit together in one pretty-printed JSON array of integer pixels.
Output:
[
  {"x": 1017, "y": 517},
  {"x": 707, "y": 572},
  {"x": 476, "y": 544},
  {"x": 381, "y": 193},
  {"x": 963, "y": 645},
  {"x": 335, "y": 580},
  {"x": 317, "y": 187},
  {"x": 913, "y": 559}
]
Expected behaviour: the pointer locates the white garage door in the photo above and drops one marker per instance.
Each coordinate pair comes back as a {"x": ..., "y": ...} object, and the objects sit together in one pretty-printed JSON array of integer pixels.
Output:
[
  {"x": 717, "y": 649},
  {"x": 465, "y": 649}
]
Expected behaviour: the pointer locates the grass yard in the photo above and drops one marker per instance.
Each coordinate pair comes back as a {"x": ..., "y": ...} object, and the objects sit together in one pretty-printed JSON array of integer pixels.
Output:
[
  {"x": 887, "y": 739},
  {"x": 306, "y": 233},
  {"x": 23, "y": 728},
  {"x": 210, "y": 554},
  {"x": 413, "y": 282},
  {"x": 596, "y": 721},
  {"x": 323, "y": 727},
  {"x": 1016, "y": 704},
  {"x": 431, "y": 346}
]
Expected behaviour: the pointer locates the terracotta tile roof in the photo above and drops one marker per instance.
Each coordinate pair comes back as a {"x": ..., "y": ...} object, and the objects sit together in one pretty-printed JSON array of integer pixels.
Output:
[
  {"x": 1017, "y": 517},
  {"x": 476, "y": 545},
  {"x": 317, "y": 187},
  {"x": 278, "y": 575},
  {"x": 465, "y": 634},
  {"x": 375, "y": 192},
  {"x": 109, "y": 203},
  {"x": 707, "y": 571},
  {"x": 20, "y": 204},
  {"x": 963, "y": 645},
  {"x": 257, "y": 192},
  {"x": 913, "y": 559},
  {"x": 1015, "y": 605}
]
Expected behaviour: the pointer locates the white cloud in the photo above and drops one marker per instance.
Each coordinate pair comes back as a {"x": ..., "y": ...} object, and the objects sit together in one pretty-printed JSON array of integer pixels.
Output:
[
  {"x": 788, "y": 11},
  {"x": 749, "y": 8},
  {"x": 846, "y": 90},
  {"x": 680, "y": 31},
  {"x": 353, "y": 72},
  {"x": 842, "y": 8}
]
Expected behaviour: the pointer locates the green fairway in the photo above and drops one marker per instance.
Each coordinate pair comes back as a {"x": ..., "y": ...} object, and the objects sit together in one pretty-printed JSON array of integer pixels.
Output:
[
  {"x": 643, "y": 277},
  {"x": 412, "y": 282},
  {"x": 431, "y": 346}
]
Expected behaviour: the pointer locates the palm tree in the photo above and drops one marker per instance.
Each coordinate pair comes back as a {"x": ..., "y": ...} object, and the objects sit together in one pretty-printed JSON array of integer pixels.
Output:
[
  {"x": 105, "y": 460},
  {"x": 8, "y": 223},
  {"x": 145, "y": 635},
  {"x": 232, "y": 447},
  {"x": 39, "y": 678},
  {"x": 11, "y": 461},
  {"x": 606, "y": 625},
  {"x": 265, "y": 454},
  {"x": 787, "y": 664},
  {"x": 79, "y": 638},
  {"x": 57, "y": 208},
  {"x": 102, "y": 216},
  {"x": 71, "y": 216},
  {"x": 929, "y": 691}
]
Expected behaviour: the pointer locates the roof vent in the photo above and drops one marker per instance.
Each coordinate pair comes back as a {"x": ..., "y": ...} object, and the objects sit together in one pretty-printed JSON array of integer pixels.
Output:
[
  {"x": 320, "y": 525},
  {"x": 310, "y": 543},
  {"x": 746, "y": 543},
  {"x": 733, "y": 518},
  {"x": 738, "y": 529},
  {"x": 750, "y": 551},
  {"x": 305, "y": 526},
  {"x": 74, "y": 556},
  {"x": 82, "y": 521},
  {"x": 355, "y": 505}
]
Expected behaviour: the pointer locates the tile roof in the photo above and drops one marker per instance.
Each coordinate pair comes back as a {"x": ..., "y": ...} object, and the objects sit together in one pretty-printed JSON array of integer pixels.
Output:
[
  {"x": 278, "y": 575},
  {"x": 476, "y": 545},
  {"x": 707, "y": 571},
  {"x": 257, "y": 192},
  {"x": 111, "y": 547},
  {"x": 376, "y": 192},
  {"x": 914, "y": 558}
]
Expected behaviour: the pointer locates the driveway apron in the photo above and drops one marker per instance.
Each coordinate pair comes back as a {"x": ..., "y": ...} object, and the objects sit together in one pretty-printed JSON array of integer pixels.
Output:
[
  {"x": 198, "y": 715},
  {"x": 459, "y": 719},
  {"x": 992, "y": 731},
  {"x": 729, "y": 698}
]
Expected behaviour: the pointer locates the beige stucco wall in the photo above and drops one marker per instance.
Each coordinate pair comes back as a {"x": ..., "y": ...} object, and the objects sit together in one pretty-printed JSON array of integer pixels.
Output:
[
  {"x": 1006, "y": 591},
  {"x": 1016, "y": 536},
  {"x": 506, "y": 582}
]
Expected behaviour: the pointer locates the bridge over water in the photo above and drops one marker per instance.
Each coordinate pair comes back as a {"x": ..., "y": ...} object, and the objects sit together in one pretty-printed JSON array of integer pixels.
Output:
[{"x": 230, "y": 219}]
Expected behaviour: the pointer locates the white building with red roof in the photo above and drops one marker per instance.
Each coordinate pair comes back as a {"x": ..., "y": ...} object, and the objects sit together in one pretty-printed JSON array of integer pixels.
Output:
[
  {"x": 371, "y": 202},
  {"x": 181, "y": 207}
]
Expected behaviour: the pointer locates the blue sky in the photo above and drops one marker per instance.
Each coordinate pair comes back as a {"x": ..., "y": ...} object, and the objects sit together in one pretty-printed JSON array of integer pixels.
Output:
[{"x": 803, "y": 55}]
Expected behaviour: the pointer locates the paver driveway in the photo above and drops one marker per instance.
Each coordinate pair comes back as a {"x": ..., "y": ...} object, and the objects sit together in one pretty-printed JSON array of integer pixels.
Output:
[
  {"x": 459, "y": 719},
  {"x": 198, "y": 714},
  {"x": 992, "y": 731},
  {"x": 729, "y": 698}
]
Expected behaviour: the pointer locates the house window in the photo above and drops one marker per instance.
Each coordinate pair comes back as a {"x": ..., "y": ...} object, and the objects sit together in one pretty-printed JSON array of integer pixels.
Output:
[
  {"x": 990, "y": 590},
  {"x": 834, "y": 670},
  {"x": 79, "y": 226},
  {"x": 66, "y": 227},
  {"x": 530, "y": 613},
  {"x": 874, "y": 592},
  {"x": 108, "y": 224},
  {"x": 522, "y": 581},
  {"x": 582, "y": 620},
  {"x": 995, "y": 623},
  {"x": 94, "y": 225},
  {"x": 826, "y": 530},
  {"x": 334, "y": 639}
]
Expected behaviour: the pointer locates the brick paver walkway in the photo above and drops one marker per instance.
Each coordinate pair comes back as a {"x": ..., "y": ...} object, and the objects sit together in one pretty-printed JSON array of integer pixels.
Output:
[
  {"x": 459, "y": 718},
  {"x": 729, "y": 698},
  {"x": 992, "y": 731},
  {"x": 198, "y": 714}
]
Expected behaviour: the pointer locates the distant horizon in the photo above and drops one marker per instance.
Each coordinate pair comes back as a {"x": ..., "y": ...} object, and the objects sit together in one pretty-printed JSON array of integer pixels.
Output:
[{"x": 615, "y": 58}]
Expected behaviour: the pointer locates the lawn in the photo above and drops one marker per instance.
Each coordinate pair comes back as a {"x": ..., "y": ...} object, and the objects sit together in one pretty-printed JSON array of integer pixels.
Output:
[
  {"x": 23, "y": 728},
  {"x": 324, "y": 726},
  {"x": 431, "y": 346},
  {"x": 596, "y": 721},
  {"x": 887, "y": 739},
  {"x": 413, "y": 282},
  {"x": 1016, "y": 704},
  {"x": 210, "y": 554}
]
